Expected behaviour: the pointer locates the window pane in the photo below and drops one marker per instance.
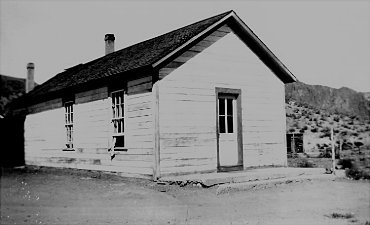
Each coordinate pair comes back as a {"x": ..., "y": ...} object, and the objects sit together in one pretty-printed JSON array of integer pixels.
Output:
[
  {"x": 122, "y": 126},
  {"x": 221, "y": 106},
  {"x": 222, "y": 124},
  {"x": 122, "y": 112},
  {"x": 229, "y": 107},
  {"x": 120, "y": 141},
  {"x": 118, "y": 112},
  {"x": 230, "y": 124},
  {"x": 115, "y": 126},
  {"x": 119, "y": 126}
]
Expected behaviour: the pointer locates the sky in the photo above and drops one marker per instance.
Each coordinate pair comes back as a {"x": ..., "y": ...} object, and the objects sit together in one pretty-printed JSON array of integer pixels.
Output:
[{"x": 321, "y": 42}]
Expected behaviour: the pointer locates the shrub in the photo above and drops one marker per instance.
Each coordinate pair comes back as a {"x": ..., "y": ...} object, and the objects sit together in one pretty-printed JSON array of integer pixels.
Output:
[
  {"x": 358, "y": 144},
  {"x": 314, "y": 130},
  {"x": 356, "y": 173},
  {"x": 325, "y": 132},
  {"x": 347, "y": 146},
  {"x": 345, "y": 163},
  {"x": 325, "y": 152},
  {"x": 325, "y": 129},
  {"x": 291, "y": 130}
]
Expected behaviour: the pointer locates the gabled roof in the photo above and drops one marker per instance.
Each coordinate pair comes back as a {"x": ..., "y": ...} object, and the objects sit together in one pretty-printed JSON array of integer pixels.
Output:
[{"x": 153, "y": 53}]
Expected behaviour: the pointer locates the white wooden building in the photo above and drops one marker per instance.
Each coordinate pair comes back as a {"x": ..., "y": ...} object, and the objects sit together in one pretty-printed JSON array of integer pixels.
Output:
[{"x": 203, "y": 98}]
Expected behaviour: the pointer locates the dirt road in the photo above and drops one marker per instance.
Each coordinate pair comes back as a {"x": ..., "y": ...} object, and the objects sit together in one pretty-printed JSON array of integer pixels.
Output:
[{"x": 54, "y": 196}]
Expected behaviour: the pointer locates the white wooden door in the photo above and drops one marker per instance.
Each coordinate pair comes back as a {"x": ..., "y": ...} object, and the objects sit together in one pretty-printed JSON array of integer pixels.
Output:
[{"x": 227, "y": 131}]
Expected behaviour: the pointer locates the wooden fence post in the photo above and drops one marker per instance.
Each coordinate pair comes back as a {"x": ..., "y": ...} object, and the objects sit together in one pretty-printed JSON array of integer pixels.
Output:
[
  {"x": 292, "y": 146},
  {"x": 333, "y": 149}
]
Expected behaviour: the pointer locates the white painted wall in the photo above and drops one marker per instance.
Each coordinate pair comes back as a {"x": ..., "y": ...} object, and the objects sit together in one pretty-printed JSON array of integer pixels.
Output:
[
  {"x": 188, "y": 108},
  {"x": 92, "y": 121},
  {"x": 45, "y": 134}
]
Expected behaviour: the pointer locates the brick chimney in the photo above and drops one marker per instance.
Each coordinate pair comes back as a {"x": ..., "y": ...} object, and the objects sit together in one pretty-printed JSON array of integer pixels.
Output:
[
  {"x": 30, "y": 82},
  {"x": 109, "y": 43}
]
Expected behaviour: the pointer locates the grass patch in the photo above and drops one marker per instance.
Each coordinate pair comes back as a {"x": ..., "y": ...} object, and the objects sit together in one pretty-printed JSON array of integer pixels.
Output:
[
  {"x": 300, "y": 162},
  {"x": 341, "y": 216}
]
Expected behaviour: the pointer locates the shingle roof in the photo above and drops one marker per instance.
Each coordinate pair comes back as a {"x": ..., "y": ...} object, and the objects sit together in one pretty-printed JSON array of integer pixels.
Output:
[
  {"x": 147, "y": 53},
  {"x": 136, "y": 56}
]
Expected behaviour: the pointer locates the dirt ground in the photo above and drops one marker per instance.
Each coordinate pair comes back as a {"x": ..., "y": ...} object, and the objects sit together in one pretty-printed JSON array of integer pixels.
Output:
[{"x": 54, "y": 196}]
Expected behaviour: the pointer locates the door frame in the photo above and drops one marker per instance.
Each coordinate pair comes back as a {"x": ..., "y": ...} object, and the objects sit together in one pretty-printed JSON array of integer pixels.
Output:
[{"x": 237, "y": 93}]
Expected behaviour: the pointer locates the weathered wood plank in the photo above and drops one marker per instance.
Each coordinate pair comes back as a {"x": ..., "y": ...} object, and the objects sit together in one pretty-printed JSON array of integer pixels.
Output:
[
  {"x": 220, "y": 33},
  {"x": 125, "y": 171},
  {"x": 138, "y": 106},
  {"x": 187, "y": 162},
  {"x": 187, "y": 141},
  {"x": 49, "y": 105},
  {"x": 144, "y": 87},
  {"x": 225, "y": 28},
  {"x": 157, "y": 138},
  {"x": 139, "y": 81},
  {"x": 187, "y": 170},
  {"x": 91, "y": 95}
]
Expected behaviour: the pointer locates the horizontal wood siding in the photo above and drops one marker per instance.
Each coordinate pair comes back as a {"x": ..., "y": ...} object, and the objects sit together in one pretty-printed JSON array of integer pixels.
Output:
[
  {"x": 188, "y": 108},
  {"x": 45, "y": 135},
  {"x": 44, "y": 131},
  {"x": 91, "y": 120}
]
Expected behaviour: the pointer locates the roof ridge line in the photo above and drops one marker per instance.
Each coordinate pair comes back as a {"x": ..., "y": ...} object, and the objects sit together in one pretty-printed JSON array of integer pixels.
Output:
[{"x": 226, "y": 13}]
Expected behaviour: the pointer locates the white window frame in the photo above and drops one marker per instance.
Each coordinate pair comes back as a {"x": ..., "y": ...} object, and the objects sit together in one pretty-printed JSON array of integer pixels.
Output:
[
  {"x": 226, "y": 115},
  {"x": 68, "y": 123},
  {"x": 117, "y": 116}
]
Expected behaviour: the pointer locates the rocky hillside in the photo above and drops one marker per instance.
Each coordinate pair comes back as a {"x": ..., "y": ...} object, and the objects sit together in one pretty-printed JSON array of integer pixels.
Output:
[
  {"x": 367, "y": 95},
  {"x": 341, "y": 101},
  {"x": 313, "y": 110}
]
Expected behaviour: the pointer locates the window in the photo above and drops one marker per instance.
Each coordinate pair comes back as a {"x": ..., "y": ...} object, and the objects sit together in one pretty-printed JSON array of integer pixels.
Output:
[
  {"x": 118, "y": 119},
  {"x": 225, "y": 114},
  {"x": 68, "y": 106}
]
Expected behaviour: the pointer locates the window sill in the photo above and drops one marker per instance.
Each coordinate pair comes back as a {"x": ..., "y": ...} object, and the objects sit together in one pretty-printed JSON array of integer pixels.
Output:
[{"x": 120, "y": 149}]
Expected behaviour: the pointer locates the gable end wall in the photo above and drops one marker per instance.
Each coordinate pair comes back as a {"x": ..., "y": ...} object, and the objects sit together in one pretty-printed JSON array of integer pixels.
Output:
[{"x": 187, "y": 105}]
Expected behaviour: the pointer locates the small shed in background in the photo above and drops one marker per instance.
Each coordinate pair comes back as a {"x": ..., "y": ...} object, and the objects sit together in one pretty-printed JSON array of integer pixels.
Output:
[{"x": 294, "y": 143}]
